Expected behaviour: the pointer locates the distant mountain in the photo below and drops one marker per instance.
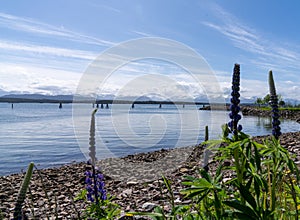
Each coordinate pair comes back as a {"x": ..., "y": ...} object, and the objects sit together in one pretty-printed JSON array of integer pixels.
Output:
[
  {"x": 2, "y": 92},
  {"x": 292, "y": 101},
  {"x": 106, "y": 97},
  {"x": 134, "y": 98},
  {"x": 38, "y": 97}
]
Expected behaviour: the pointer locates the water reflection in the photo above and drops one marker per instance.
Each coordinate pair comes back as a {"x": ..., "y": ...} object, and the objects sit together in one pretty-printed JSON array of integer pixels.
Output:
[{"x": 265, "y": 122}]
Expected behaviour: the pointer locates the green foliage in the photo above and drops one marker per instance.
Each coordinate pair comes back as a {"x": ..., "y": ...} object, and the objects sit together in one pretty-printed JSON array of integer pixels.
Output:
[
  {"x": 22, "y": 192},
  {"x": 259, "y": 101},
  {"x": 105, "y": 209},
  {"x": 261, "y": 182},
  {"x": 262, "y": 174},
  {"x": 281, "y": 103},
  {"x": 266, "y": 99}
]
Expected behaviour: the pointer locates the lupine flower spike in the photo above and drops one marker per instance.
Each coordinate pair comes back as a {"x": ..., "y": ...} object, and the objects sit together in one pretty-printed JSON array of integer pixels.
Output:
[
  {"x": 235, "y": 101},
  {"x": 274, "y": 104},
  {"x": 207, "y": 152},
  {"x": 92, "y": 141},
  {"x": 94, "y": 179},
  {"x": 95, "y": 186}
]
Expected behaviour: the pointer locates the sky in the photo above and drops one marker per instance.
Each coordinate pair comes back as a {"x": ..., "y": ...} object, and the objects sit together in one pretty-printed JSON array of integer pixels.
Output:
[{"x": 46, "y": 46}]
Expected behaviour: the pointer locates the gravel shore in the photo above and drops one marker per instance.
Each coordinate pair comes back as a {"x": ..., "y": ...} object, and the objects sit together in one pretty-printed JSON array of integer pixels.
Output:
[
  {"x": 134, "y": 181},
  {"x": 132, "y": 193}
]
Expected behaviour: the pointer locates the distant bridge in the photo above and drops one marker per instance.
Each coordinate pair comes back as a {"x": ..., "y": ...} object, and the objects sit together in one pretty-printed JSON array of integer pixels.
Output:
[{"x": 203, "y": 104}]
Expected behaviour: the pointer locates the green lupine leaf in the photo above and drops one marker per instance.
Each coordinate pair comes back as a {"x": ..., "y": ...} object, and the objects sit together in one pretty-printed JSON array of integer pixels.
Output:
[
  {"x": 158, "y": 214},
  {"x": 168, "y": 184},
  {"x": 258, "y": 145},
  {"x": 257, "y": 184},
  {"x": 191, "y": 178},
  {"x": 192, "y": 192},
  {"x": 200, "y": 183},
  {"x": 242, "y": 216},
  {"x": 248, "y": 185},
  {"x": 22, "y": 192},
  {"x": 205, "y": 175},
  {"x": 180, "y": 209},
  {"x": 187, "y": 183},
  {"x": 242, "y": 208},
  {"x": 257, "y": 158},
  {"x": 218, "y": 204},
  {"x": 192, "y": 189},
  {"x": 150, "y": 214},
  {"x": 247, "y": 196},
  {"x": 267, "y": 151},
  {"x": 203, "y": 196}
]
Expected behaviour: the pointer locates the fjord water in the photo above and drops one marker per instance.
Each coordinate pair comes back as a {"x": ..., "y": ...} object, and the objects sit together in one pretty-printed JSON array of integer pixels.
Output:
[{"x": 44, "y": 134}]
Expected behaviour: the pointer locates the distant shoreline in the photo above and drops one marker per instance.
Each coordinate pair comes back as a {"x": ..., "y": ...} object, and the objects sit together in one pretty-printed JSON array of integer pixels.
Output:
[
  {"x": 286, "y": 114},
  {"x": 203, "y": 105},
  {"x": 109, "y": 101},
  {"x": 102, "y": 101}
]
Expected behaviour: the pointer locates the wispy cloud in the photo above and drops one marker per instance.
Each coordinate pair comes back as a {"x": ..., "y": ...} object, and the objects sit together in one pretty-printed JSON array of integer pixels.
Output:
[
  {"x": 104, "y": 6},
  {"x": 250, "y": 40},
  {"x": 53, "y": 51},
  {"x": 143, "y": 34},
  {"x": 37, "y": 27}
]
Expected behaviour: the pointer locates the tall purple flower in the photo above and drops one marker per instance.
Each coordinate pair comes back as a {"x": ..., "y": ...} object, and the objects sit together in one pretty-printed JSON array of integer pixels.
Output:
[
  {"x": 274, "y": 104},
  {"x": 94, "y": 179},
  {"x": 235, "y": 101},
  {"x": 95, "y": 186},
  {"x": 92, "y": 141}
]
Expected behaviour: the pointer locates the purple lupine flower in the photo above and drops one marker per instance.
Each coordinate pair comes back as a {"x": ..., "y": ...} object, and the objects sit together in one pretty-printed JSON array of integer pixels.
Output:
[
  {"x": 93, "y": 178},
  {"x": 95, "y": 186},
  {"x": 274, "y": 104},
  {"x": 235, "y": 101}
]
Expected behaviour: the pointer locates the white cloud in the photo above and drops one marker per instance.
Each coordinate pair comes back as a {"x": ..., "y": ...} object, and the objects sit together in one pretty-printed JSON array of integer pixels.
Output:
[
  {"x": 54, "y": 51},
  {"x": 37, "y": 27},
  {"x": 31, "y": 79},
  {"x": 266, "y": 51},
  {"x": 143, "y": 34}
]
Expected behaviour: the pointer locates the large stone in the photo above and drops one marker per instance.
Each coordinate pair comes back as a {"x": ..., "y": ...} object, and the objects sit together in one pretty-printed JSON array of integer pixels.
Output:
[{"x": 148, "y": 206}]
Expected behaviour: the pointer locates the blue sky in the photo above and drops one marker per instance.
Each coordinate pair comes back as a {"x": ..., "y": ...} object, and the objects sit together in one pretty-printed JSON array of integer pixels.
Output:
[{"x": 47, "y": 45}]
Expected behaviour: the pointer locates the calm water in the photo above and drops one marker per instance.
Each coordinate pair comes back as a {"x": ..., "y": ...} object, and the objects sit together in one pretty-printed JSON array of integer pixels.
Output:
[{"x": 45, "y": 134}]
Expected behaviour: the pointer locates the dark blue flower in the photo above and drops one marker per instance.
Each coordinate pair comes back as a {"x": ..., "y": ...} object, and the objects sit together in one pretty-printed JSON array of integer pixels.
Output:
[
  {"x": 274, "y": 105},
  {"x": 94, "y": 180},
  {"x": 95, "y": 185},
  {"x": 234, "y": 107}
]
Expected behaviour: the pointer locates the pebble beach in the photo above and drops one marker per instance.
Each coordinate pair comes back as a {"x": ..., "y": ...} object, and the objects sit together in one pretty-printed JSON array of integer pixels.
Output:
[{"x": 134, "y": 181}]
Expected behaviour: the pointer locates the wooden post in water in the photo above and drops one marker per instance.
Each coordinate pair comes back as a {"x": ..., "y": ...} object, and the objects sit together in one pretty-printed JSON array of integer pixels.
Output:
[
  {"x": 97, "y": 105},
  {"x": 107, "y": 105},
  {"x": 12, "y": 105},
  {"x": 160, "y": 105},
  {"x": 101, "y": 105},
  {"x": 60, "y": 105},
  {"x": 132, "y": 106}
]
